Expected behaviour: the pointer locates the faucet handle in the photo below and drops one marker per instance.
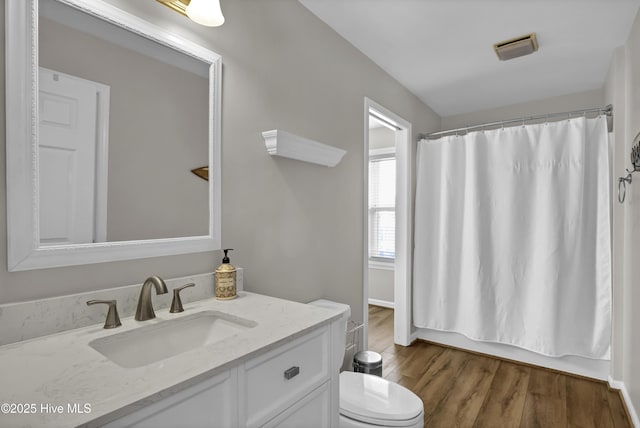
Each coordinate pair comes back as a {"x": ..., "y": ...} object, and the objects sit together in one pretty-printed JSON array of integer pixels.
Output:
[
  {"x": 113, "y": 320},
  {"x": 176, "y": 303}
]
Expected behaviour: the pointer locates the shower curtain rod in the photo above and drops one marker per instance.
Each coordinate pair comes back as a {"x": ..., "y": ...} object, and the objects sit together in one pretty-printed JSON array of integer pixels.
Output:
[{"x": 607, "y": 110}]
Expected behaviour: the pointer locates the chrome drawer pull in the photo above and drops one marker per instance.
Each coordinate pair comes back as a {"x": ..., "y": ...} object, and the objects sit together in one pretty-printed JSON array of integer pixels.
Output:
[{"x": 292, "y": 372}]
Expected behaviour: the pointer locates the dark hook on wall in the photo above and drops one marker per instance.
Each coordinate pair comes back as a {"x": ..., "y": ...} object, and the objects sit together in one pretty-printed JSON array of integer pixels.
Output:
[{"x": 635, "y": 163}]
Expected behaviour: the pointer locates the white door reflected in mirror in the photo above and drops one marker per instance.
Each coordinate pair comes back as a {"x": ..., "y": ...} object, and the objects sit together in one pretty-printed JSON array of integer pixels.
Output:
[{"x": 69, "y": 147}]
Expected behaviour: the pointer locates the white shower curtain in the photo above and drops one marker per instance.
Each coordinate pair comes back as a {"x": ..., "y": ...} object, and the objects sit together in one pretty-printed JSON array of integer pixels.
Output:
[{"x": 512, "y": 237}]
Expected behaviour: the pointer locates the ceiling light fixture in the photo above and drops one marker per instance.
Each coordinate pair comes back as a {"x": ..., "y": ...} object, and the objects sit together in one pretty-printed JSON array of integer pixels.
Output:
[
  {"x": 517, "y": 47},
  {"x": 203, "y": 12}
]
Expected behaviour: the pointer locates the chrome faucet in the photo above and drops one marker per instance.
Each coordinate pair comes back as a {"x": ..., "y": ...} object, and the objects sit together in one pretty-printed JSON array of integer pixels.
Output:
[{"x": 145, "y": 308}]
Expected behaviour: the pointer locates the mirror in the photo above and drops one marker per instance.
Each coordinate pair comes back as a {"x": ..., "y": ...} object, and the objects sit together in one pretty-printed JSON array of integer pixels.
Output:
[{"x": 112, "y": 118}]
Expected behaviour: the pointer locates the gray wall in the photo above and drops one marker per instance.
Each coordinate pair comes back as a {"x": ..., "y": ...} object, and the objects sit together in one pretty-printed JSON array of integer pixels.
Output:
[
  {"x": 381, "y": 283},
  {"x": 615, "y": 95},
  {"x": 581, "y": 100},
  {"x": 297, "y": 228},
  {"x": 621, "y": 90},
  {"x": 381, "y": 137}
]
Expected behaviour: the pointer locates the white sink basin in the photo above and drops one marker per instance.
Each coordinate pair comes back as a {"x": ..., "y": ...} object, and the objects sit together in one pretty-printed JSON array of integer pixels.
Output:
[{"x": 152, "y": 343}]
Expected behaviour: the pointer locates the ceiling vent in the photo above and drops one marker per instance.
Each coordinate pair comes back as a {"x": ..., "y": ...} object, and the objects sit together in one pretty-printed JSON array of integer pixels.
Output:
[{"x": 513, "y": 48}]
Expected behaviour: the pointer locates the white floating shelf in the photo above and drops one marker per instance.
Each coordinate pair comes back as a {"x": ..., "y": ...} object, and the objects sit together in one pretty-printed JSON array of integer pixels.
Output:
[{"x": 285, "y": 144}]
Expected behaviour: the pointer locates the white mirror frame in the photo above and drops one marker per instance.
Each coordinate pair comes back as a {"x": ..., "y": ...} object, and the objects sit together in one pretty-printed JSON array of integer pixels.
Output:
[{"x": 21, "y": 56}]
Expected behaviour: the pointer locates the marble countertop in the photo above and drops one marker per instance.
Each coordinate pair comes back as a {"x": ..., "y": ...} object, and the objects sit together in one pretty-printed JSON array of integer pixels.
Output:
[{"x": 62, "y": 382}]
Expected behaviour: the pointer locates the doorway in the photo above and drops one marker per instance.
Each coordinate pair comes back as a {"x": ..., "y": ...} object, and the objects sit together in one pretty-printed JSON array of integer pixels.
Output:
[{"x": 387, "y": 218}]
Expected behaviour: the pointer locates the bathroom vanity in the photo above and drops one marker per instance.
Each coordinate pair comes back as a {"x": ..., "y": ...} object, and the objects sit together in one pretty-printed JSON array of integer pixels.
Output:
[{"x": 262, "y": 362}]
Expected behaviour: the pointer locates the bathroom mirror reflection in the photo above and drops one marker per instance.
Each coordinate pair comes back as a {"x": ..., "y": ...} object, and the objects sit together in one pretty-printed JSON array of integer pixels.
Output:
[
  {"x": 122, "y": 112},
  {"x": 122, "y": 122}
]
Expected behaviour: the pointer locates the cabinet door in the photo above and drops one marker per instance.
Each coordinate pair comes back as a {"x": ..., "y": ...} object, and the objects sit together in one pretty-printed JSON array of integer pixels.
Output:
[
  {"x": 210, "y": 403},
  {"x": 313, "y": 411}
]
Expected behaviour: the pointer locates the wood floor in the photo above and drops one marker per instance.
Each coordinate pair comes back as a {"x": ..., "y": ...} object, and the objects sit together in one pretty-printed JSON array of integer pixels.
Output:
[{"x": 463, "y": 389}]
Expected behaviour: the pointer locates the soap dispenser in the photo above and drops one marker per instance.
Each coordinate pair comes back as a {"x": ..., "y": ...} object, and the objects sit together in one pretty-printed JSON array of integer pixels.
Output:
[{"x": 226, "y": 279}]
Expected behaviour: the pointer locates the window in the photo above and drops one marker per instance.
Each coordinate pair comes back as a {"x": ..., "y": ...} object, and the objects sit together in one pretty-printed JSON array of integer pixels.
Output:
[{"x": 382, "y": 207}]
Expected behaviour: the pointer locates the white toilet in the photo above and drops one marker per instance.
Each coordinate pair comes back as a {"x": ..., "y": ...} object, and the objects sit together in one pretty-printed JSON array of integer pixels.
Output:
[{"x": 371, "y": 401}]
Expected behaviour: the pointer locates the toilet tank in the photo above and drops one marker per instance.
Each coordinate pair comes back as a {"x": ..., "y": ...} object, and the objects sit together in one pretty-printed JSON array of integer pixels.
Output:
[{"x": 346, "y": 314}]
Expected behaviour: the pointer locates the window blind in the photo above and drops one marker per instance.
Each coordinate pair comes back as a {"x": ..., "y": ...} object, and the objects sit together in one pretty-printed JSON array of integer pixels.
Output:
[{"x": 382, "y": 215}]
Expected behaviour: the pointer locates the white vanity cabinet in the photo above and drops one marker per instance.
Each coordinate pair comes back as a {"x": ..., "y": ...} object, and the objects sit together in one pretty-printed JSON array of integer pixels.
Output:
[
  {"x": 276, "y": 381},
  {"x": 210, "y": 403},
  {"x": 287, "y": 386},
  {"x": 281, "y": 372}
]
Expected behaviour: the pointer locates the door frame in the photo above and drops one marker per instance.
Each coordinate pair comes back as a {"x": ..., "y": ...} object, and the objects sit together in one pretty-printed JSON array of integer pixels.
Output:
[{"x": 404, "y": 225}]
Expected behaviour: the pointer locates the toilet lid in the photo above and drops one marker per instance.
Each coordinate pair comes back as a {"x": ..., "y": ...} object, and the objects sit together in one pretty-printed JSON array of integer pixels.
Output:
[{"x": 372, "y": 398}]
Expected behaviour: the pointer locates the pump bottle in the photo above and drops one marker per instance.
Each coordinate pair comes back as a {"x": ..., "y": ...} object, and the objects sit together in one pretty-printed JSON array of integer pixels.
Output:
[{"x": 226, "y": 279}]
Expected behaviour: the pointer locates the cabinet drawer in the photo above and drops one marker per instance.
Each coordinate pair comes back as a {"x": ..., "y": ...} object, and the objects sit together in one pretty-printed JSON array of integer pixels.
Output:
[
  {"x": 277, "y": 379},
  {"x": 313, "y": 411}
]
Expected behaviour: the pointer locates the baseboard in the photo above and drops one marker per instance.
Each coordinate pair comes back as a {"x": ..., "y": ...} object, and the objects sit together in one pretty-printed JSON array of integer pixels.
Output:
[
  {"x": 383, "y": 303},
  {"x": 616, "y": 384}
]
